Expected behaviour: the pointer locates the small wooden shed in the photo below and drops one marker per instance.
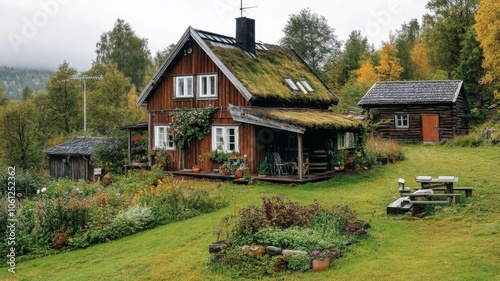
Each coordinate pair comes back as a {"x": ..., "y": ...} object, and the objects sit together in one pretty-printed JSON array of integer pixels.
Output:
[
  {"x": 417, "y": 111},
  {"x": 71, "y": 159}
]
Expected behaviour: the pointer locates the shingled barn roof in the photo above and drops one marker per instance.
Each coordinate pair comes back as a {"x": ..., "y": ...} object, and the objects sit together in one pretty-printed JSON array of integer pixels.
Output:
[
  {"x": 412, "y": 92},
  {"x": 78, "y": 146}
]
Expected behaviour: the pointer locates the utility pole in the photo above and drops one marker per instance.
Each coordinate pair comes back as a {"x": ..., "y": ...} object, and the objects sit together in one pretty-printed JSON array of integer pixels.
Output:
[{"x": 85, "y": 78}]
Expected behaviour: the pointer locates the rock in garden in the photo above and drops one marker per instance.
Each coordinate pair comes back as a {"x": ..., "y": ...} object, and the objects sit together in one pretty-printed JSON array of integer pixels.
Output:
[
  {"x": 215, "y": 247},
  {"x": 254, "y": 251},
  {"x": 273, "y": 251},
  {"x": 294, "y": 252}
]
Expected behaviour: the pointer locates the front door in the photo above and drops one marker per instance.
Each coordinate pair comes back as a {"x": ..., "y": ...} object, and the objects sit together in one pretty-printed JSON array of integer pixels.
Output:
[{"x": 430, "y": 127}]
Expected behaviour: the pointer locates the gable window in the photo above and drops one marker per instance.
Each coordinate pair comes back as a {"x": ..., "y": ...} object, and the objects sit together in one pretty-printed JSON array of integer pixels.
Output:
[
  {"x": 164, "y": 137},
  {"x": 225, "y": 138},
  {"x": 401, "y": 121},
  {"x": 183, "y": 87},
  {"x": 345, "y": 140},
  {"x": 207, "y": 86}
]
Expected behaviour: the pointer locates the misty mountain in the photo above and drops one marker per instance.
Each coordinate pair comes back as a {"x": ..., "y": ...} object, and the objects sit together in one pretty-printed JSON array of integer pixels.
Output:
[{"x": 13, "y": 80}]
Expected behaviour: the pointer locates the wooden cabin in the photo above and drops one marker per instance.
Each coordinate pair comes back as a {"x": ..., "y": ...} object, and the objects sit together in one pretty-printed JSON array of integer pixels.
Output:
[
  {"x": 267, "y": 99},
  {"x": 71, "y": 159},
  {"x": 418, "y": 111}
]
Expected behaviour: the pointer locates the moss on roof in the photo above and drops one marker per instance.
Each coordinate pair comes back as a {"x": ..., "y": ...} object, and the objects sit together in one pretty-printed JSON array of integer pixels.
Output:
[
  {"x": 316, "y": 119},
  {"x": 264, "y": 76}
]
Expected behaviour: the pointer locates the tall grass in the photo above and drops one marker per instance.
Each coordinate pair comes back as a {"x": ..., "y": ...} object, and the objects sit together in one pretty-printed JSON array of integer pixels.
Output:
[{"x": 380, "y": 147}]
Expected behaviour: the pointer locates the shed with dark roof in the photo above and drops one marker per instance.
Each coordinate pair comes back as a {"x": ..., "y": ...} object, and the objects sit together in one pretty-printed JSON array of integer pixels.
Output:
[
  {"x": 418, "y": 111},
  {"x": 71, "y": 159}
]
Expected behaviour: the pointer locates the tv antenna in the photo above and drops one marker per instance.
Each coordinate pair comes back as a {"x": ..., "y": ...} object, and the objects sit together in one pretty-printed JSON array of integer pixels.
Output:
[
  {"x": 244, "y": 8},
  {"x": 85, "y": 78}
]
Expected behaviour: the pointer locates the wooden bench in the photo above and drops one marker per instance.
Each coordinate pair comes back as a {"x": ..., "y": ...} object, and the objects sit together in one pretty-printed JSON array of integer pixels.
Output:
[
  {"x": 455, "y": 198},
  {"x": 468, "y": 190},
  {"x": 425, "y": 202},
  {"x": 399, "y": 206}
]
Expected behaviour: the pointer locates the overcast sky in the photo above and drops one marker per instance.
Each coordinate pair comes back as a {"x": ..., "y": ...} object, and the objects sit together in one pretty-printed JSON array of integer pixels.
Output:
[{"x": 44, "y": 33}]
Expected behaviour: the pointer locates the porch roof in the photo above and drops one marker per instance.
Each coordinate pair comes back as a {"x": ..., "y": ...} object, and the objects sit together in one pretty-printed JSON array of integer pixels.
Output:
[{"x": 296, "y": 120}]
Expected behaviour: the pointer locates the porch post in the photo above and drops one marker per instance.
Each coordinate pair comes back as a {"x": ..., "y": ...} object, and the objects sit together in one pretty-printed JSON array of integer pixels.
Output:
[
  {"x": 129, "y": 134},
  {"x": 300, "y": 156}
]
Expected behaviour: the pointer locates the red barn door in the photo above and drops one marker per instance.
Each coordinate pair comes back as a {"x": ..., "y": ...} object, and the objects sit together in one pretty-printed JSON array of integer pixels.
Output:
[{"x": 430, "y": 127}]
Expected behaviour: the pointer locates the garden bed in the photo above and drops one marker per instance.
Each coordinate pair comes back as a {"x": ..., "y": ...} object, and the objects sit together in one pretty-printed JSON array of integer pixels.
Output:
[{"x": 282, "y": 235}]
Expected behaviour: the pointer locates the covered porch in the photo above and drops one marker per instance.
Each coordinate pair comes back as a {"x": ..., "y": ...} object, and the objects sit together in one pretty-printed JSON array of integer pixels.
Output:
[{"x": 297, "y": 143}]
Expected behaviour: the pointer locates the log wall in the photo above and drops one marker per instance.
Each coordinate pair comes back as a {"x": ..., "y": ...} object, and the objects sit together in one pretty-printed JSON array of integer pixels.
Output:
[{"x": 452, "y": 121}]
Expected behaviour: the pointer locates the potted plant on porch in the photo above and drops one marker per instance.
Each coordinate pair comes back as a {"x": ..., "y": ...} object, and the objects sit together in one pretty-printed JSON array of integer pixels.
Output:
[
  {"x": 241, "y": 170},
  {"x": 197, "y": 167}
]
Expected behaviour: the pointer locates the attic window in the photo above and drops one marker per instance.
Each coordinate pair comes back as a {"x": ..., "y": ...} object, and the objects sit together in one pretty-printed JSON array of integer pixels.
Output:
[
  {"x": 290, "y": 83},
  {"x": 306, "y": 85},
  {"x": 301, "y": 88}
]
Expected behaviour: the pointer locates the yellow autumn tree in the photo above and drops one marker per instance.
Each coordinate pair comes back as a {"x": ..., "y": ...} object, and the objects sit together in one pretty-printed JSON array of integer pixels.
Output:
[
  {"x": 390, "y": 68},
  {"x": 366, "y": 73},
  {"x": 137, "y": 113},
  {"x": 488, "y": 34},
  {"x": 420, "y": 59}
]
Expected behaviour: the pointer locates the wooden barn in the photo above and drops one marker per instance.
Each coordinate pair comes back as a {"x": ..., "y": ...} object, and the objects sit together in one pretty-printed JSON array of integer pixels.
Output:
[
  {"x": 418, "y": 111},
  {"x": 71, "y": 159},
  {"x": 267, "y": 100}
]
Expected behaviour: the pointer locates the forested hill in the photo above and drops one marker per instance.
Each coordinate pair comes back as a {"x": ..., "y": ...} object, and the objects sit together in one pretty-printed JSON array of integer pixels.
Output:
[{"x": 13, "y": 80}]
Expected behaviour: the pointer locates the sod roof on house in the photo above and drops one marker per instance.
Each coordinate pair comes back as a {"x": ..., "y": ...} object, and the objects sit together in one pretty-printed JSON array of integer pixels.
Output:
[
  {"x": 294, "y": 119},
  {"x": 83, "y": 146},
  {"x": 264, "y": 74},
  {"x": 412, "y": 92},
  {"x": 259, "y": 76}
]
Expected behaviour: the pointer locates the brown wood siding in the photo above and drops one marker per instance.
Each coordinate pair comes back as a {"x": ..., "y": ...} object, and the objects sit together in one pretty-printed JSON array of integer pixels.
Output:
[
  {"x": 162, "y": 101},
  {"x": 74, "y": 168},
  {"x": 447, "y": 121}
]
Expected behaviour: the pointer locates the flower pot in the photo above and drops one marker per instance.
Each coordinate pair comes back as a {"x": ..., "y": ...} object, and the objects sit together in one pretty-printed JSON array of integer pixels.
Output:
[
  {"x": 196, "y": 169},
  {"x": 320, "y": 265},
  {"x": 238, "y": 174}
]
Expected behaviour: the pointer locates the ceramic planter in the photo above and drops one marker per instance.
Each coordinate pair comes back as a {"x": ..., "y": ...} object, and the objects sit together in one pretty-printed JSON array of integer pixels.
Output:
[{"x": 320, "y": 265}]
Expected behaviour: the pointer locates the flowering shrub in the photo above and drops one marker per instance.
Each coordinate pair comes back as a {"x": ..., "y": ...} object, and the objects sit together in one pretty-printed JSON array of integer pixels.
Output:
[
  {"x": 140, "y": 146},
  {"x": 189, "y": 124},
  {"x": 161, "y": 156}
]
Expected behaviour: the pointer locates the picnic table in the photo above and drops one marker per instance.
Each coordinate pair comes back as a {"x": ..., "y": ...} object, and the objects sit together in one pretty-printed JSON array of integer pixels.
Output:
[{"x": 428, "y": 182}]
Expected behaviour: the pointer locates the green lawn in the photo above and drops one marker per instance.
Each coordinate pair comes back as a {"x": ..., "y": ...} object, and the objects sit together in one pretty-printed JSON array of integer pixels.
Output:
[{"x": 457, "y": 243}]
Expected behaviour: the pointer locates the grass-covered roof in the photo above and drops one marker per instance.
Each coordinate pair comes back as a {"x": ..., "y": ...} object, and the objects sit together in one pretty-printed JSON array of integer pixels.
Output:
[
  {"x": 264, "y": 74},
  {"x": 295, "y": 117}
]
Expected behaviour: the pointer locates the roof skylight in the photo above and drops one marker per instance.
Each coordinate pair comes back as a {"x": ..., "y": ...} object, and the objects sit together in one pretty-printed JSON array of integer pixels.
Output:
[
  {"x": 290, "y": 83},
  {"x": 301, "y": 88},
  {"x": 306, "y": 85}
]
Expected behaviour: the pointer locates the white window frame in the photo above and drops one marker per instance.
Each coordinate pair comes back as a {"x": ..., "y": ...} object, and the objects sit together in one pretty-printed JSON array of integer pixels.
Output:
[
  {"x": 164, "y": 137},
  {"x": 345, "y": 140},
  {"x": 221, "y": 136},
  {"x": 290, "y": 83},
  {"x": 301, "y": 88},
  {"x": 306, "y": 85},
  {"x": 210, "y": 83},
  {"x": 187, "y": 89},
  {"x": 399, "y": 120}
]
